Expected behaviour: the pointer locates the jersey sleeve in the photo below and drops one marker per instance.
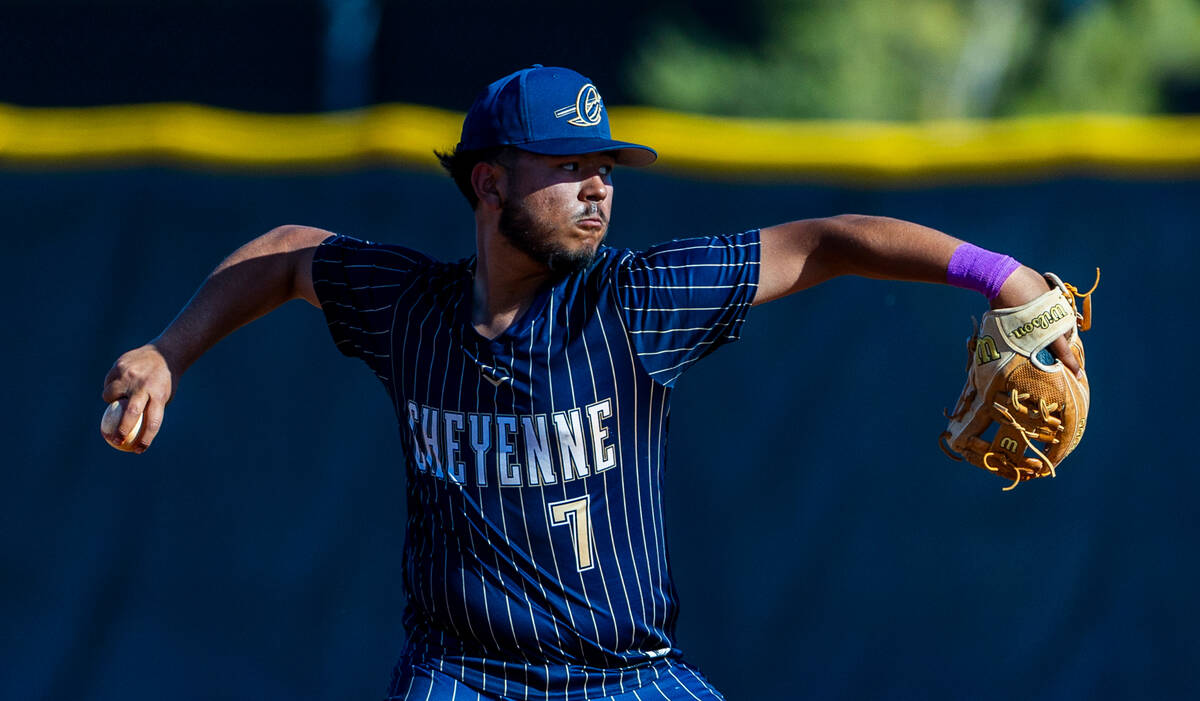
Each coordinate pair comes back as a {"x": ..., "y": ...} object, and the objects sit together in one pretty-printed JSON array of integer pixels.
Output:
[
  {"x": 358, "y": 284},
  {"x": 684, "y": 299}
]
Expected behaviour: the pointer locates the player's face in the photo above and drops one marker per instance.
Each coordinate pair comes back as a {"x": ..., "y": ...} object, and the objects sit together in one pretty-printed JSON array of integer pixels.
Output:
[{"x": 558, "y": 208}]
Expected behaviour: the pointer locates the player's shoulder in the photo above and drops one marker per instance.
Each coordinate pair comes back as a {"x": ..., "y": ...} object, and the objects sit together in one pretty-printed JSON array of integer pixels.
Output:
[
  {"x": 725, "y": 249},
  {"x": 351, "y": 251},
  {"x": 354, "y": 253},
  {"x": 360, "y": 264},
  {"x": 699, "y": 247}
]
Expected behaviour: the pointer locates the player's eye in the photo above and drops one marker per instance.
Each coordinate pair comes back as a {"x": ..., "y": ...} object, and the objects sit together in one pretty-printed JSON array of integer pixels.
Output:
[
  {"x": 606, "y": 170},
  {"x": 570, "y": 165}
]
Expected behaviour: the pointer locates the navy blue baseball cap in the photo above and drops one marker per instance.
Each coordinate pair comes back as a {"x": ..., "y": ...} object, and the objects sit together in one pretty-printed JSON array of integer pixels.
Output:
[{"x": 551, "y": 111}]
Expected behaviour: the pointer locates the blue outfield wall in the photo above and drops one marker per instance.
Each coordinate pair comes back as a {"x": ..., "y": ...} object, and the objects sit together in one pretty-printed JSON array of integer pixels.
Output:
[{"x": 822, "y": 544}]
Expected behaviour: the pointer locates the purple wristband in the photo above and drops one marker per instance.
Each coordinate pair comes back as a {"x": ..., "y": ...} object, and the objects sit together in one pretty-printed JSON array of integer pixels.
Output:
[{"x": 979, "y": 269}]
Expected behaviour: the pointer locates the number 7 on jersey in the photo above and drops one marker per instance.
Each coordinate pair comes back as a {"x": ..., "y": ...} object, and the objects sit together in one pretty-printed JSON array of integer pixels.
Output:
[{"x": 574, "y": 513}]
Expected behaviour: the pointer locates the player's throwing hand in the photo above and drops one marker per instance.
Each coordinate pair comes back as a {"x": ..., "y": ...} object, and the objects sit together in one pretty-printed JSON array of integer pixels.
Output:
[{"x": 143, "y": 376}]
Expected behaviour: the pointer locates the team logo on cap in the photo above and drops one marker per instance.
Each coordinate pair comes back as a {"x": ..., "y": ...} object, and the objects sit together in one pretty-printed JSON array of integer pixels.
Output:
[{"x": 588, "y": 108}]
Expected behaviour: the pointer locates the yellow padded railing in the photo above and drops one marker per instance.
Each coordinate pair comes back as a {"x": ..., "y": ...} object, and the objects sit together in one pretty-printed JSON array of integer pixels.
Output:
[{"x": 408, "y": 134}]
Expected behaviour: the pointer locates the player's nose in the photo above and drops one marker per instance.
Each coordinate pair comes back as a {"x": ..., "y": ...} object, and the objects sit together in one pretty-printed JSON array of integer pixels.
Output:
[{"x": 593, "y": 188}]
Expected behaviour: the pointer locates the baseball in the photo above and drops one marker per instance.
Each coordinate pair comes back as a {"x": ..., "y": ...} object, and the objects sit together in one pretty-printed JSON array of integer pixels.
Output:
[{"x": 112, "y": 419}]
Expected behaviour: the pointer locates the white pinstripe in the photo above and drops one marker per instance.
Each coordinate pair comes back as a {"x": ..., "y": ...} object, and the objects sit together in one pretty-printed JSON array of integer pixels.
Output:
[
  {"x": 377, "y": 267},
  {"x": 657, "y": 513},
  {"x": 633, "y": 365},
  {"x": 398, "y": 254},
  {"x": 429, "y": 694},
  {"x": 697, "y": 287},
  {"x": 689, "y": 360},
  {"x": 357, "y": 288},
  {"x": 608, "y": 510},
  {"x": 643, "y": 354},
  {"x": 462, "y": 571},
  {"x": 427, "y": 486},
  {"x": 686, "y": 266},
  {"x": 637, "y": 577},
  {"x": 697, "y": 328},
  {"x": 496, "y": 553},
  {"x": 550, "y": 383},
  {"x": 424, "y": 485},
  {"x": 599, "y": 563},
  {"x": 444, "y": 329},
  {"x": 694, "y": 248},
  {"x": 542, "y": 491},
  {"x": 675, "y": 309},
  {"x": 359, "y": 329},
  {"x": 684, "y": 686},
  {"x": 336, "y": 303},
  {"x": 482, "y": 584}
]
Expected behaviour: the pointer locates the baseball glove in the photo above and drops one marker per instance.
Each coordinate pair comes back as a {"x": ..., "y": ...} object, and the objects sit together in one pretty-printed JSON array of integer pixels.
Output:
[{"x": 1015, "y": 382}]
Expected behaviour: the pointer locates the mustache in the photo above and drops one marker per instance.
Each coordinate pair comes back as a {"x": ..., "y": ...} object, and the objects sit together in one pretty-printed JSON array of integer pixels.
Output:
[{"x": 592, "y": 212}]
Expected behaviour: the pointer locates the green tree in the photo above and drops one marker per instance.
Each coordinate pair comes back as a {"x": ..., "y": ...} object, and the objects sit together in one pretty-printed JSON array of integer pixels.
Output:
[{"x": 926, "y": 59}]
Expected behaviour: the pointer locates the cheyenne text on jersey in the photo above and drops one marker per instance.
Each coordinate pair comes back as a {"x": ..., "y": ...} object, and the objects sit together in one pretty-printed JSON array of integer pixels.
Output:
[{"x": 532, "y": 449}]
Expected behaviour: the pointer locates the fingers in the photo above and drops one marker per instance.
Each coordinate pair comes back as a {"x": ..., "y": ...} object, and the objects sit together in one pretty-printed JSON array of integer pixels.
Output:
[
  {"x": 1062, "y": 350},
  {"x": 133, "y": 412},
  {"x": 152, "y": 417},
  {"x": 114, "y": 385},
  {"x": 140, "y": 418},
  {"x": 140, "y": 422}
]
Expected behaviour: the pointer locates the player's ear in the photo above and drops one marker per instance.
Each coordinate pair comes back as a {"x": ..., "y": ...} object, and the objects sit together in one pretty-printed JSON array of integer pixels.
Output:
[{"x": 488, "y": 181}]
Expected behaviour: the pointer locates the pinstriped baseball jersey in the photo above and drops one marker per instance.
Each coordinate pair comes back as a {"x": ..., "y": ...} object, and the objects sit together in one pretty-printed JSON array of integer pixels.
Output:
[{"x": 535, "y": 560}]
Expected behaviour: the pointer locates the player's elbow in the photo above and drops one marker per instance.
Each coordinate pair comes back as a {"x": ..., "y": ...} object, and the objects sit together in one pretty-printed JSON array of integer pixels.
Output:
[
  {"x": 845, "y": 231},
  {"x": 838, "y": 243}
]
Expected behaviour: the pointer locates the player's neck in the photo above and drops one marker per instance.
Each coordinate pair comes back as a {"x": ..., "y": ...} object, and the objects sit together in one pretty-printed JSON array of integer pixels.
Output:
[{"x": 506, "y": 283}]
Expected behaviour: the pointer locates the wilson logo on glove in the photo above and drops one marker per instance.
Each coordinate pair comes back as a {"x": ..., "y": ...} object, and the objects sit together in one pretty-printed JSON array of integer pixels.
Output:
[
  {"x": 985, "y": 350},
  {"x": 1042, "y": 321}
]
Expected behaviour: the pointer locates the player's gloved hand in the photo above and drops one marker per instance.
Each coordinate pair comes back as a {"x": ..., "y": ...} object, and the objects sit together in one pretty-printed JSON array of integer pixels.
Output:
[
  {"x": 1024, "y": 285},
  {"x": 1036, "y": 406},
  {"x": 148, "y": 379}
]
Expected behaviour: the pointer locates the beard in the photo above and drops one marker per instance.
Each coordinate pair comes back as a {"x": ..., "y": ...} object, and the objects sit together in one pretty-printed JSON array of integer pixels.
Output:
[{"x": 536, "y": 240}]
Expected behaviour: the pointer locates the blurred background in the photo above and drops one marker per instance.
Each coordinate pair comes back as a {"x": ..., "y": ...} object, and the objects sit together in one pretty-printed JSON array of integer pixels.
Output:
[
  {"x": 853, "y": 59},
  {"x": 822, "y": 545}
]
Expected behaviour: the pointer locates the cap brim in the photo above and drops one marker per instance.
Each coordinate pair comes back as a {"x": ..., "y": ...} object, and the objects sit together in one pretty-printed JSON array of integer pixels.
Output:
[{"x": 627, "y": 154}]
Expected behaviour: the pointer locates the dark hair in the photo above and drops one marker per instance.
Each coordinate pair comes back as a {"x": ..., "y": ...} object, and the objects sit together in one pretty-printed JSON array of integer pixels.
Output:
[{"x": 459, "y": 165}]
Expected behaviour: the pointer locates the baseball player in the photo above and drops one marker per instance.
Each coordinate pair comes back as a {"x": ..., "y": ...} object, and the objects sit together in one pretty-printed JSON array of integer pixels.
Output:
[{"x": 532, "y": 383}]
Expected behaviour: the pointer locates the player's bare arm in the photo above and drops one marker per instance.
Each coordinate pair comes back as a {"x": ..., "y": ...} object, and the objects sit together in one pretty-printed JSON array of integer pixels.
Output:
[
  {"x": 255, "y": 279},
  {"x": 800, "y": 254}
]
